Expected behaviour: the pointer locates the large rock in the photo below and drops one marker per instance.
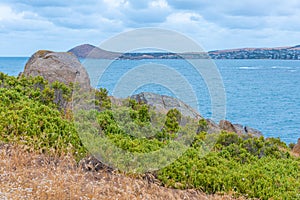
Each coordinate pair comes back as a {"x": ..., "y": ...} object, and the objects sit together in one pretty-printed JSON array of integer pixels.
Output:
[
  {"x": 252, "y": 131},
  {"x": 239, "y": 129},
  {"x": 57, "y": 66},
  {"x": 228, "y": 126},
  {"x": 163, "y": 104},
  {"x": 296, "y": 148}
]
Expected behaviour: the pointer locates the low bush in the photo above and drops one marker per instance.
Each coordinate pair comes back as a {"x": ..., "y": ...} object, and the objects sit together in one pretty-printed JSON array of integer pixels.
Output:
[
  {"x": 31, "y": 114},
  {"x": 36, "y": 113}
]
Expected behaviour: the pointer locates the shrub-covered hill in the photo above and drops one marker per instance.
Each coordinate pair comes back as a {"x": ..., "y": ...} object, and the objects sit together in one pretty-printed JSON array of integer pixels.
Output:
[{"x": 36, "y": 114}]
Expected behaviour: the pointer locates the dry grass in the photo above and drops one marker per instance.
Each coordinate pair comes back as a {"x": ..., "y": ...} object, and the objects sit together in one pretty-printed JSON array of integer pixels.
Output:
[{"x": 25, "y": 175}]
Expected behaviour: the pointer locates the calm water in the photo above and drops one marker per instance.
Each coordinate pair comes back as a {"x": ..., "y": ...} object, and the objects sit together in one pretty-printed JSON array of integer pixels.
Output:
[{"x": 263, "y": 94}]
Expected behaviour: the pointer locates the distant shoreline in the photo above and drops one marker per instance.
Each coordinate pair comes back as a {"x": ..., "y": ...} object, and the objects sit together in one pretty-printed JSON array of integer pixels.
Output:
[
  {"x": 81, "y": 58},
  {"x": 278, "y": 53}
]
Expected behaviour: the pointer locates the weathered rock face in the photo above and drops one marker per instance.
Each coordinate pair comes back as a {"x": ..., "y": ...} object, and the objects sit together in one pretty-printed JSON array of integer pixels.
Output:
[
  {"x": 57, "y": 66},
  {"x": 228, "y": 126},
  {"x": 296, "y": 148},
  {"x": 239, "y": 129},
  {"x": 252, "y": 131},
  {"x": 212, "y": 127},
  {"x": 163, "y": 104}
]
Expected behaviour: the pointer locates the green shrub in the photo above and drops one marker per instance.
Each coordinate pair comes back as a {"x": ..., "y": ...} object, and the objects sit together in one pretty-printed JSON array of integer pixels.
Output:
[
  {"x": 30, "y": 115},
  {"x": 253, "y": 167},
  {"x": 102, "y": 99},
  {"x": 292, "y": 145},
  {"x": 35, "y": 113},
  {"x": 203, "y": 126}
]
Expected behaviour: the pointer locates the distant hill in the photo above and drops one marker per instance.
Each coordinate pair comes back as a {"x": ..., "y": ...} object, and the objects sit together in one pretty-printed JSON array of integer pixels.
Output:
[
  {"x": 283, "y": 53},
  {"x": 90, "y": 51}
]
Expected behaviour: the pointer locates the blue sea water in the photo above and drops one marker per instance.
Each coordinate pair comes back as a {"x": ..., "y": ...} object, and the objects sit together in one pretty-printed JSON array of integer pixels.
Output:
[{"x": 263, "y": 94}]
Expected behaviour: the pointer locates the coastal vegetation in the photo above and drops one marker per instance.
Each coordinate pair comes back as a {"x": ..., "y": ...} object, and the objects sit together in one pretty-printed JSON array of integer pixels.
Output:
[
  {"x": 37, "y": 115},
  {"x": 31, "y": 115}
]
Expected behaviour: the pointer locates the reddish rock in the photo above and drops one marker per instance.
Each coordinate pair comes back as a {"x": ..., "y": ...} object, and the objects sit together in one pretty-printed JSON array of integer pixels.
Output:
[
  {"x": 239, "y": 129},
  {"x": 296, "y": 148}
]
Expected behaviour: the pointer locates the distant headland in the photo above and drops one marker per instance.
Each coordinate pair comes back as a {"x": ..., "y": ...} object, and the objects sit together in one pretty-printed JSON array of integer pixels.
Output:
[{"x": 280, "y": 53}]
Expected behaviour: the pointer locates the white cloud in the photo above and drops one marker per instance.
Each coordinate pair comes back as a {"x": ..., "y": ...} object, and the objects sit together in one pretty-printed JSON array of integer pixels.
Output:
[
  {"x": 116, "y": 3},
  {"x": 215, "y": 24},
  {"x": 159, "y": 4},
  {"x": 6, "y": 13}
]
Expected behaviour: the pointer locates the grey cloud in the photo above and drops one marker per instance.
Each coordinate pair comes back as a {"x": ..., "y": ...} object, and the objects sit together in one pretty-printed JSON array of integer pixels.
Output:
[
  {"x": 238, "y": 21},
  {"x": 68, "y": 14},
  {"x": 246, "y": 14}
]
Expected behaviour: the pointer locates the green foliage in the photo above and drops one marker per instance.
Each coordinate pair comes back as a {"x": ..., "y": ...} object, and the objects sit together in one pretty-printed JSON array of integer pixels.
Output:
[
  {"x": 102, "y": 99},
  {"x": 30, "y": 114},
  {"x": 203, "y": 126},
  {"x": 172, "y": 121},
  {"x": 133, "y": 144},
  {"x": 226, "y": 139},
  {"x": 265, "y": 178},
  {"x": 35, "y": 113},
  {"x": 130, "y": 128},
  {"x": 253, "y": 167},
  {"x": 292, "y": 145},
  {"x": 242, "y": 165}
]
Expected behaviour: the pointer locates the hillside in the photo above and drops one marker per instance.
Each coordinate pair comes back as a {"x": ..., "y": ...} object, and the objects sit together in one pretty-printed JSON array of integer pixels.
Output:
[
  {"x": 31, "y": 175},
  {"x": 90, "y": 51},
  {"x": 283, "y": 53}
]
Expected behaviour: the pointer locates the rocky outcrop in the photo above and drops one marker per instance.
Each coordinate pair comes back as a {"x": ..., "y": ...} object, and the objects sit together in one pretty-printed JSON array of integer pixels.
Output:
[
  {"x": 212, "y": 127},
  {"x": 228, "y": 126},
  {"x": 296, "y": 148},
  {"x": 252, "y": 131},
  {"x": 57, "y": 66},
  {"x": 163, "y": 104},
  {"x": 239, "y": 129}
]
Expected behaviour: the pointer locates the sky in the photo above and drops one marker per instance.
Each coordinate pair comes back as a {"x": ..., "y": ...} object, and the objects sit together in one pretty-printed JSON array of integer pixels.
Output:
[{"x": 29, "y": 25}]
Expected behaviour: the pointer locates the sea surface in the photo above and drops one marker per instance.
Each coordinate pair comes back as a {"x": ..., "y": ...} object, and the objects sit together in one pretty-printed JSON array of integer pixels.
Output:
[{"x": 263, "y": 94}]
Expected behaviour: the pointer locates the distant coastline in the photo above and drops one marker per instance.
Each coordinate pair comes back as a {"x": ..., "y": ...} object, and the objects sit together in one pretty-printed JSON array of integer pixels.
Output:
[{"x": 277, "y": 53}]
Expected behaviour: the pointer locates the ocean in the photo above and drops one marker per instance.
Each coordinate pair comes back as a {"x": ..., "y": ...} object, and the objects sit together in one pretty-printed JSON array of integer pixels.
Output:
[{"x": 262, "y": 94}]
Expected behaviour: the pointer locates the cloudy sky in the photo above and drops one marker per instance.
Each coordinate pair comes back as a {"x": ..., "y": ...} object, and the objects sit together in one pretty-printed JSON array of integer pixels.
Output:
[{"x": 30, "y": 25}]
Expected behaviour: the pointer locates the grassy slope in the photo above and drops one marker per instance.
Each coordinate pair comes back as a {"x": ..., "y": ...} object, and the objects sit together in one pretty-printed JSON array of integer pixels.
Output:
[{"x": 29, "y": 175}]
